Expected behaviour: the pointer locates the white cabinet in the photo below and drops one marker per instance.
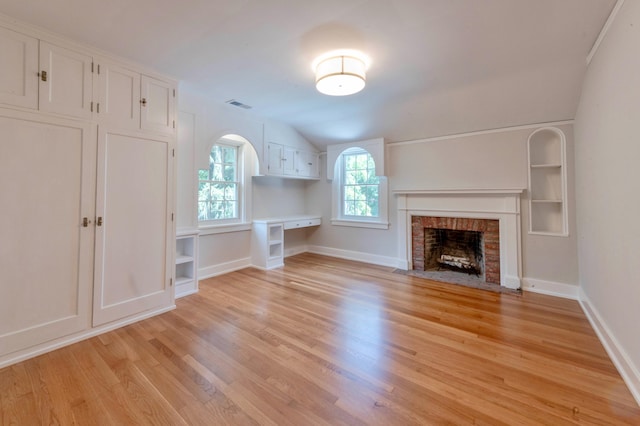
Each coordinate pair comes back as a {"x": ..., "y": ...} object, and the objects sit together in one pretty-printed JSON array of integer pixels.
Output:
[
  {"x": 65, "y": 81},
  {"x": 47, "y": 187},
  {"x": 117, "y": 94},
  {"x": 547, "y": 183},
  {"x": 86, "y": 203},
  {"x": 186, "y": 263},
  {"x": 18, "y": 69},
  {"x": 287, "y": 161},
  {"x": 157, "y": 113},
  {"x": 132, "y": 241},
  {"x": 267, "y": 240},
  {"x": 267, "y": 245}
]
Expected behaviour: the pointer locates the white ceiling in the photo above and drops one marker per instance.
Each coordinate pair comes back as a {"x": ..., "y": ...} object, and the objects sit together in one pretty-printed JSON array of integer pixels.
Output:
[{"x": 438, "y": 66}]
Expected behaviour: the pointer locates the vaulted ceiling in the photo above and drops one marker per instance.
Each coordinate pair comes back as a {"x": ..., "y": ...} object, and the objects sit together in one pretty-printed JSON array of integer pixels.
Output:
[{"x": 438, "y": 66}]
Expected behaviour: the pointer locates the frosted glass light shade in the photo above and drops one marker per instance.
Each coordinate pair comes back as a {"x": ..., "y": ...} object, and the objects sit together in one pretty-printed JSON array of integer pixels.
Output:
[{"x": 340, "y": 75}]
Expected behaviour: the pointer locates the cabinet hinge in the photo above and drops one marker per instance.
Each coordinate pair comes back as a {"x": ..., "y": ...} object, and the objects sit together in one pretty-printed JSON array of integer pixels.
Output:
[
  {"x": 171, "y": 217},
  {"x": 170, "y": 282},
  {"x": 173, "y": 152},
  {"x": 174, "y": 124},
  {"x": 98, "y": 69},
  {"x": 92, "y": 67},
  {"x": 98, "y": 107},
  {"x": 174, "y": 93},
  {"x": 91, "y": 106}
]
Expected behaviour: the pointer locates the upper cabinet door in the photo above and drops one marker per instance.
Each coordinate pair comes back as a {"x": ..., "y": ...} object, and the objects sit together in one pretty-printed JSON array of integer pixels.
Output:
[
  {"x": 157, "y": 112},
  {"x": 18, "y": 69},
  {"x": 117, "y": 95},
  {"x": 65, "y": 81}
]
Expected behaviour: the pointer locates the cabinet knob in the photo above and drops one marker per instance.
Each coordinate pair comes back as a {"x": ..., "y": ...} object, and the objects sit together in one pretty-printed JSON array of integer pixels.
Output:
[
  {"x": 99, "y": 221},
  {"x": 43, "y": 75},
  {"x": 85, "y": 222},
  {"x": 143, "y": 101}
]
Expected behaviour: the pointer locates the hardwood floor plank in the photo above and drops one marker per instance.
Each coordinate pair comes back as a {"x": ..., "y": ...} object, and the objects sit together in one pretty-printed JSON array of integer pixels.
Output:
[{"x": 325, "y": 341}]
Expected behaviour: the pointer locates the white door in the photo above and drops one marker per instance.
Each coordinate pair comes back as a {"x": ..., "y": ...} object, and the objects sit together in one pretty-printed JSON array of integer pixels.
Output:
[
  {"x": 275, "y": 153},
  {"x": 18, "y": 69},
  {"x": 288, "y": 161},
  {"x": 132, "y": 272},
  {"x": 157, "y": 105},
  {"x": 117, "y": 95},
  {"x": 65, "y": 81},
  {"x": 47, "y": 184}
]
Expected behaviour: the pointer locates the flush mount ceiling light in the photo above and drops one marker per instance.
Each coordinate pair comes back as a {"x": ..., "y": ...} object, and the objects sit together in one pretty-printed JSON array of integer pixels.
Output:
[{"x": 341, "y": 72}]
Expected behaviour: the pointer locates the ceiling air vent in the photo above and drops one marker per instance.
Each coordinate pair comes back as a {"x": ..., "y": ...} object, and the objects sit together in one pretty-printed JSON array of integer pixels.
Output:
[{"x": 238, "y": 104}]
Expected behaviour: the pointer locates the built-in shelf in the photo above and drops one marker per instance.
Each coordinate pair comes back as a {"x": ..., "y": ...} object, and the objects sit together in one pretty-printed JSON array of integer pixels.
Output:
[
  {"x": 267, "y": 245},
  {"x": 186, "y": 263},
  {"x": 547, "y": 182}
]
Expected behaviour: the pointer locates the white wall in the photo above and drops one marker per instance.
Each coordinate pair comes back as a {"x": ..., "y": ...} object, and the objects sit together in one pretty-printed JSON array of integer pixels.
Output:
[
  {"x": 485, "y": 160},
  {"x": 607, "y": 191},
  {"x": 202, "y": 122}
]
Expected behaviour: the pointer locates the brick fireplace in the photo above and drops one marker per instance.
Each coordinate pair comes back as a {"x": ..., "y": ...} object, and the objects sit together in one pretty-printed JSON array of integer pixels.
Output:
[
  {"x": 424, "y": 231},
  {"x": 493, "y": 212}
]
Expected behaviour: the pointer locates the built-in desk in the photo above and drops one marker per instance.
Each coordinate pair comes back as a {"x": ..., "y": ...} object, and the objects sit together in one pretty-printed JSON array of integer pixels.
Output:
[{"x": 267, "y": 240}]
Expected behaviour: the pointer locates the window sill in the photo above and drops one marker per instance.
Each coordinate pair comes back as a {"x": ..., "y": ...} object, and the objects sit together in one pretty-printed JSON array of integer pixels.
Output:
[
  {"x": 223, "y": 229},
  {"x": 360, "y": 223}
]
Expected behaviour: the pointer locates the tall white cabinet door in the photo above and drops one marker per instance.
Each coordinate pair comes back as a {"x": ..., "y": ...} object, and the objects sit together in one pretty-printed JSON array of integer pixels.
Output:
[
  {"x": 288, "y": 161},
  {"x": 47, "y": 175},
  {"x": 65, "y": 81},
  {"x": 274, "y": 155},
  {"x": 157, "y": 112},
  {"x": 18, "y": 69},
  {"x": 133, "y": 243},
  {"x": 118, "y": 95}
]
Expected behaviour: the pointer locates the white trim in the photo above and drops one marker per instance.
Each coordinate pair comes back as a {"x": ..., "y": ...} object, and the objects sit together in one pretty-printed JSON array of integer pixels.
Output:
[
  {"x": 223, "y": 268},
  {"x": 35, "y": 351},
  {"x": 604, "y": 30},
  {"x": 296, "y": 250},
  {"x": 223, "y": 229},
  {"x": 623, "y": 362},
  {"x": 360, "y": 223},
  {"x": 356, "y": 255},
  {"x": 550, "y": 288},
  {"x": 457, "y": 191},
  {"x": 479, "y": 132}
]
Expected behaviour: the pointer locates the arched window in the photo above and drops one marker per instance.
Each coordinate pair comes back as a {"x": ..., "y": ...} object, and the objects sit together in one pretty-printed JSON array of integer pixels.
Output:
[
  {"x": 359, "y": 189},
  {"x": 224, "y": 188}
]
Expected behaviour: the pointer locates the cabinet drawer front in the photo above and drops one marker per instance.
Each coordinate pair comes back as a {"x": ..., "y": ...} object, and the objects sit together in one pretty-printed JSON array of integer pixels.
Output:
[{"x": 292, "y": 224}]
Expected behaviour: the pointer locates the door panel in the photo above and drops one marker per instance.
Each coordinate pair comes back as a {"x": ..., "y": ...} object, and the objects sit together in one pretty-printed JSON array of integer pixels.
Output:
[
  {"x": 18, "y": 69},
  {"x": 67, "y": 87},
  {"x": 119, "y": 96},
  {"x": 157, "y": 112},
  {"x": 47, "y": 172},
  {"x": 131, "y": 272}
]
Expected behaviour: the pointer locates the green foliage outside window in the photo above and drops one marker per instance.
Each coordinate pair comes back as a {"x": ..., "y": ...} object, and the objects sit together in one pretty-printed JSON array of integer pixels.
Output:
[
  {"x": 360, "y": 185},
  {"x": 218, "y": 186}
]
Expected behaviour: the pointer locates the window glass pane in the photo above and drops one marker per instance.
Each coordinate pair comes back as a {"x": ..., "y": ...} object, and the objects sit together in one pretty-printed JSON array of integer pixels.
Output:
[
  {"x": 360, "y": 185},
  {"x": 229, "y": 172},
  {"x": 230, "y": 154},
  {"x": 216, "y": 155},
  {"x": 203, "y": 174}
]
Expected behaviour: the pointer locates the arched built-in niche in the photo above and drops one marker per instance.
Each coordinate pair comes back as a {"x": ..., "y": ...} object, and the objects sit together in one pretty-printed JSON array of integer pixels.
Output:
[{"x": 547, "y": 182}]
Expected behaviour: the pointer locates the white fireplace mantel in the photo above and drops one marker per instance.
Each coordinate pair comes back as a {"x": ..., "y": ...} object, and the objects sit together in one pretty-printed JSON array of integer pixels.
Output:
[{"x": 502, "y": 204}]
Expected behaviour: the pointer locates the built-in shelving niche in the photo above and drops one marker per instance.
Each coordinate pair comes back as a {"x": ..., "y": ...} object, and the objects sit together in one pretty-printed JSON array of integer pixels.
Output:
[{"x": 547, "y": 182}]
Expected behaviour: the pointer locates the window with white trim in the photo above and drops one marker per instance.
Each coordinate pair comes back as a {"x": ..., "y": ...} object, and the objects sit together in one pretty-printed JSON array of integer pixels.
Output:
[
  {"x": 218, "y": 189},
  {"x": 359, "y": 195},
  {"x": 224, "y": 187}
]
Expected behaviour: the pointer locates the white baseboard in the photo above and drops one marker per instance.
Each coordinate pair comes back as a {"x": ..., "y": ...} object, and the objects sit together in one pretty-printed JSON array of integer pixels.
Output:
[
  {"x": 356, "y": 255},
  {"x": 296, "y": 250},
  {"x": 74, "y": 338},
  {"x": 630, "y": 373},
  {"x": 223, "y": 268},
  {"x": 550, "y": 288}
]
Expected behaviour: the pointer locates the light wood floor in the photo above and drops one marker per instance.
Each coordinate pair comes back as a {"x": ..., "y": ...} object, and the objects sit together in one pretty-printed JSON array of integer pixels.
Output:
[{"x": 327, "y": 341}]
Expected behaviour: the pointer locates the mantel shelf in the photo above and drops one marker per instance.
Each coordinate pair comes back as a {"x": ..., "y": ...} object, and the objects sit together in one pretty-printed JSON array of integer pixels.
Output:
[{"x": 470, "y": 191}]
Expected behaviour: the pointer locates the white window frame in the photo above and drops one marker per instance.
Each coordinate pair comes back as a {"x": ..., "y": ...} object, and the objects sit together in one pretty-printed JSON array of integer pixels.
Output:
[
  {"x": 246, "y": 163},
  {"x": 338, "y": 217}
]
